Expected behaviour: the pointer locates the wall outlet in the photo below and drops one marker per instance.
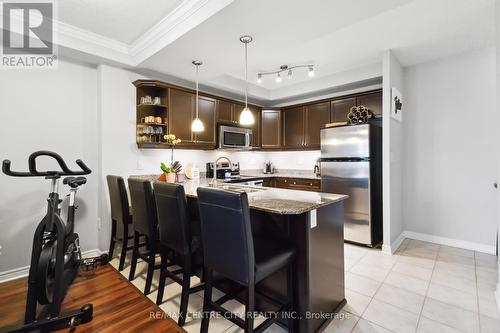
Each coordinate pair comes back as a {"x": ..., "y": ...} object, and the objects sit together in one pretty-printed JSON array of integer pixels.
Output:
[
  {"x": 99, "y": 224},
  {"x": 0, "y": 250}
]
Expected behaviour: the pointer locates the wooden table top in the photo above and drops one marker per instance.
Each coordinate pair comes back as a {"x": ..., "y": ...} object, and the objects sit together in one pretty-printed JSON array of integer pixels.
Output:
[{"x": 118, "y": 305}]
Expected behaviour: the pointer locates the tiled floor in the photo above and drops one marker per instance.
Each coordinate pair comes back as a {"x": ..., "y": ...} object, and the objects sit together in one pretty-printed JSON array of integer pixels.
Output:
[{"x": 424, "y": 287}]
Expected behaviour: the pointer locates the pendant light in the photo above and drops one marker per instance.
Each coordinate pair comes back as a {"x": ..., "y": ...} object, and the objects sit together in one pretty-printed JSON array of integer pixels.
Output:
[
  {"x": 246, "y": 116},
  {"x": 197, "y": 125}
]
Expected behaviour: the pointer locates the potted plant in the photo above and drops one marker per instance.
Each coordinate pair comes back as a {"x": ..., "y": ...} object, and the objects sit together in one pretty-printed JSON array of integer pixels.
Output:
[{"x": 168, "y": 174}]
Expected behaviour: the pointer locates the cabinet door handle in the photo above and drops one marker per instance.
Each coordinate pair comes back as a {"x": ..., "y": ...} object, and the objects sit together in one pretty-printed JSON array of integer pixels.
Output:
[{"x": 294, "y": 183}]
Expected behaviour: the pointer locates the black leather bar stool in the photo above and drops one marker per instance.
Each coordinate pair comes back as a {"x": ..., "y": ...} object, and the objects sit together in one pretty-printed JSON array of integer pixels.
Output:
[
  {"x": 121, "y": 219},
  {"x": 229, "y": 249},
  {"x": 145, "y": 222},
  {"x": 179, "y": 235}
]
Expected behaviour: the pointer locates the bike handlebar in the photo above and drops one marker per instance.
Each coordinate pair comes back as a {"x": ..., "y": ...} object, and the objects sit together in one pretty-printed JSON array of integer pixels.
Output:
[{"x": 33, "y": 172}]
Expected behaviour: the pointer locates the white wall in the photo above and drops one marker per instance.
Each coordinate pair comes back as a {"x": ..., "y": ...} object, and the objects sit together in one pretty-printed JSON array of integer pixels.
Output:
[
  {"x": 450, "y": 144},
  {"x": 392, "y": 156},
  {"x": 45, "y": 110}
]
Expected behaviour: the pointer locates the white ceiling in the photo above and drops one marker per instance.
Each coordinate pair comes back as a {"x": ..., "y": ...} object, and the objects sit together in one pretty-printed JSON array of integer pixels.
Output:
[
  {"x": 120, "y": 20},
  {"x": 345, "y": 39}
]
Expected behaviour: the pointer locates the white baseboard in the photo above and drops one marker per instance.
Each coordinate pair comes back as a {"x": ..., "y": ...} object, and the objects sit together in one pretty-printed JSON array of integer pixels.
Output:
[
  {"x": 17, "y": 273},
  {"x": 489, "y": 249},
  {"x": 390, "y": 249}
]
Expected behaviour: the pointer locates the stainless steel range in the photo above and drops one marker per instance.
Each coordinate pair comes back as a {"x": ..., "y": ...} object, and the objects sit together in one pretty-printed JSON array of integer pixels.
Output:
[{"x": 230, "y": 173}]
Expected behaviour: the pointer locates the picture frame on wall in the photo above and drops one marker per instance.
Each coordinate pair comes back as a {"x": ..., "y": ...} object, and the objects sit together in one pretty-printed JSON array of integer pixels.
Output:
[{"x": 396, "y": 104}]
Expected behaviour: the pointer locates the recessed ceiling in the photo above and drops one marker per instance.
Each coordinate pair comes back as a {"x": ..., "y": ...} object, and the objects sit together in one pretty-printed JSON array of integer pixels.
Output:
[
  {"x": 344, "y": 39},
  {"x": 335, "y": 35},
  {"x": 121, "y": 20}
]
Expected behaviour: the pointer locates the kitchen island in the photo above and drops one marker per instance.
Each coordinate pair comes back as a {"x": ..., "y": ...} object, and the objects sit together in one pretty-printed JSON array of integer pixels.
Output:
[{"x": 314, "y": 223}]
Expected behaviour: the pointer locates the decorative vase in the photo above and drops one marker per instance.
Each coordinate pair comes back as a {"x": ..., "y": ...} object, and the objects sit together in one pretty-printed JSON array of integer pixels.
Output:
[
  {"x": 163, "y": 177},
  {"x": 170, "y": 177}
]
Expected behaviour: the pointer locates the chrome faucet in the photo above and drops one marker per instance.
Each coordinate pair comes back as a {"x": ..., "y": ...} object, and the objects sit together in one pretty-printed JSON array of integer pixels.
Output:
[{"x": 214, "y": 180}]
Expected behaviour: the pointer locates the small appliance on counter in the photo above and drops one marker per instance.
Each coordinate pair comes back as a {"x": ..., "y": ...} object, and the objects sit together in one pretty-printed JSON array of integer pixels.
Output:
[
  {"x": 268, "y": 168},
  {"x": 317, "y": 167}
]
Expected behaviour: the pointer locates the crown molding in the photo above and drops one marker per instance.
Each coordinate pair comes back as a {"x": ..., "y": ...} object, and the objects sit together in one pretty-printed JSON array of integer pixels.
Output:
[{"x": 183, "y": 18}]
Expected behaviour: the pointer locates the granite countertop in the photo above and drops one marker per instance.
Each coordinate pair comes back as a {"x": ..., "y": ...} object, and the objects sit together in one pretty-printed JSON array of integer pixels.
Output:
[
  {"x": 272, "y": 200},
  {"x": 283, "y": 173}
]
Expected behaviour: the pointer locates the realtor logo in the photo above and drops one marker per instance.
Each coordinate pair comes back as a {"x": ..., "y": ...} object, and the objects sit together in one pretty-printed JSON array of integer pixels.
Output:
[{"x": 28, "y": 35}]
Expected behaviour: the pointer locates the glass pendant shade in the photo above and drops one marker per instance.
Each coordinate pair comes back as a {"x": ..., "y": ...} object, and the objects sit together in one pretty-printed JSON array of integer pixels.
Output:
[
  {"x": 197, "y": 125},
  {"x": 246, "y": 117}
]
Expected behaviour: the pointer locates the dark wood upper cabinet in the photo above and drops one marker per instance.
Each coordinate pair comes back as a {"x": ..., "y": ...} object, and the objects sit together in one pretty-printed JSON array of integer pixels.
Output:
[
  {"x": 373, "y": 102},
  {"x": 256, "y": 137},
  {"x": 181, "y": 114},
  {"x": 317, "y": 116},
  {"x": 340, "y": 109},
  {"x": 271, "y": 128},
  {"x": 293, "y": 127},
  {"x": 237, "y": 108},
  {"x": 224, "y": 111},
  {"x": 206, "y": 112}
]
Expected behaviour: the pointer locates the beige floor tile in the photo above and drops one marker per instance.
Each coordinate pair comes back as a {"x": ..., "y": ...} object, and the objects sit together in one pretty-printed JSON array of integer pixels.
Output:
[
  {"x": 275, "y": 328},
  {"x": 172, "y": 306},
  {"x": 413, "y": 270},
  {"x": 361, "y": 284},
  {"x": 486, "y": 291},
  {"x": 391, "y": 317},
  {"x": 401, "y": 298},
  {"x": 456, "y": 251},
  {"x": 356, "y": 302},
  {"x": 426, "y": 325},
  {"x": 455, "y": 259},
  {"x": 216, "y": 325},
  {"x": 486, "y": 275},
  {"x": 489, "y": 325},
  {"x": 453, "y": 296},
  {"x": 407, "y": 282},
  {"x": 467, "y": 272},
  {"x": 456, "y": 282},
  {"x": 421, "y": 253},
  {"x": 379, "y": 259},
  {"x": 416, "y": 261},
  {"x": 365, "y": 326},
  {"x": 370, "y": 271},
  {"x": 489, "y": 308},
  {"x": 458, "y": 318},
  {"x": 417, "y": 244},
  {"x": 343, "y": 324}
]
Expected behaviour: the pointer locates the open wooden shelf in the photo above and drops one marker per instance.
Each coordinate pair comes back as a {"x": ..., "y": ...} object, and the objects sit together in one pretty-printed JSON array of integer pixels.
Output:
[{"x": 157, "y": 105}]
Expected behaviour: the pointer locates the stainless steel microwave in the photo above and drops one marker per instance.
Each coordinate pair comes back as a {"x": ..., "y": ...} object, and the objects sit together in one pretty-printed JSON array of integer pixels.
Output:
[{"x": 232, "y": 137}]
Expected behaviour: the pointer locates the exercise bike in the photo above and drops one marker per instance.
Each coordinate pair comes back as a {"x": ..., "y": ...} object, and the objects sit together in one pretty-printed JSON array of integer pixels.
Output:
[{"x": 56, "y": 256}]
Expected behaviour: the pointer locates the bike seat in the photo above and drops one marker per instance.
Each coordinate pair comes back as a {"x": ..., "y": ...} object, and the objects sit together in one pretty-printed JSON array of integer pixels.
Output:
[{"x": 74, "y": 182}]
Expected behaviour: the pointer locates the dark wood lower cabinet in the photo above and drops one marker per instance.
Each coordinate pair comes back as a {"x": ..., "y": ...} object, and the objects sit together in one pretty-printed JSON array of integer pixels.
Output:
[{"x": 304, "y": 184}]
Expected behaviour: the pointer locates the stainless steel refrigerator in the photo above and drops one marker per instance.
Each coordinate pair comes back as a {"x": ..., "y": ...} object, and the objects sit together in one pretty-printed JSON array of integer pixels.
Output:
[{"x": 351, "y": 164}]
